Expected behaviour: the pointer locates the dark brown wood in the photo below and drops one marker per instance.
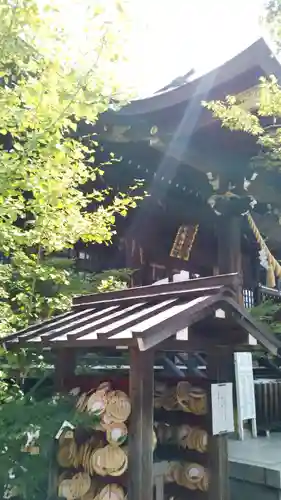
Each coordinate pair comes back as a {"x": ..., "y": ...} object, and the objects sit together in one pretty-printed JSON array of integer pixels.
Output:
[
  {"x": 160, "y": 329},
  {"x": 173, "y": 345},
  {"x": 147, "y": 375},
  {"x": 66, "y": 326},
  {"x": 111, "y": 316},
  {"x": 270, "y": 292},
  {"x": 219, "y": 365},
  {"x": 129, "y": 320},
  {"x": 44, "y": 324},
  {"x": 229, "y": 249},
  {"x": 153, "y": 319},
  {"x": 53, "y": 472},
  {"x": 65, "y": 363},
  {"x": 174, "y": 490},
  {"x": 135, "y": 434},
  {"x": 140, "y": 486},
  {"x": 250, "y": 329},
  {"x": 254, "y": 327},
  {"x": 218, "y": 466},
  {"x": 187, "y": 346},
  {"x": 179, "y": 316},
  {"x": 88, "y": 342},
  {"x": 236, "y": 75},
  {"x": 228, "y": 280},
  {"x": 160, "y": 295}
]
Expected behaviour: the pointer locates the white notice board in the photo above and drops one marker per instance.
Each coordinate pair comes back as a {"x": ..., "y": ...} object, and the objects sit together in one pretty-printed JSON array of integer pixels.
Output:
[
  {"x": 245, "y": 390},
  {"x": 222, "y": 408}
]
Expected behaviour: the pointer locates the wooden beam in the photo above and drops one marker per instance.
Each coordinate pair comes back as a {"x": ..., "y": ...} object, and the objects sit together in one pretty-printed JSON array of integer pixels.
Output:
[
  {"x": 159, "y": 295},
  {"x": 227, "y": 280},
  {"x": 152, "y": 332},
  {"x": 270, "y": 292},
  {"x": 192, "y": 364},
  {"x": 41, "y": 325},
  {"x": 130, "y": 318},
  {"x": 255, "y": 328},
  {"x": 82, "y": 343},
  {"x": 195, "y": 345},
  {"x": 172, "y": 367},
  {"x": 205, "y": 347},
  {"x": 259, "y": 336}
]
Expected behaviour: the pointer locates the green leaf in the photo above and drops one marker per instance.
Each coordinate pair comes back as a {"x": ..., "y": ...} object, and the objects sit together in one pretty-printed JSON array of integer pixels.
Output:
[{"x": 47, "y": 184}]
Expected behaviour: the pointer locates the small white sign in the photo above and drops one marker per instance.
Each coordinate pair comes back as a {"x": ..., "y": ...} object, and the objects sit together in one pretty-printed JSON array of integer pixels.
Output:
[
  {"x": 245, "y": 389},
  {"x": 222, "y": 408}
]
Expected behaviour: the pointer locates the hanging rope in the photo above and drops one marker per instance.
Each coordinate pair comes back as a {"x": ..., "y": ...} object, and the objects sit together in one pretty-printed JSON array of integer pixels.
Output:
[{"x": 274, "y": 268}]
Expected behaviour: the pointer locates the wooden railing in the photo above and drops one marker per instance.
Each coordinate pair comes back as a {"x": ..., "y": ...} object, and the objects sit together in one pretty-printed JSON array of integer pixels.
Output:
[
  {"x": 269, "y": 293},
  {"x": 254, "y": 296}
]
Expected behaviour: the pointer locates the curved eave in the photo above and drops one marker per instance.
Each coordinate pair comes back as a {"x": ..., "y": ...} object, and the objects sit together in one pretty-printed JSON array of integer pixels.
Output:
[{"x": 257, "y": 57}]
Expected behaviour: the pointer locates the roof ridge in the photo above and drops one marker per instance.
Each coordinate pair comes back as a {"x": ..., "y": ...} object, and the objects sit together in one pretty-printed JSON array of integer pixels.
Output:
[{"x": 233, "y": 281}]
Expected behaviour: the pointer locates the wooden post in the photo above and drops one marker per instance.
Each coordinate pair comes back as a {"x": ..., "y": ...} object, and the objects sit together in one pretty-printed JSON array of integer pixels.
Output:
[
  {"x": 229, "y": 245},
  {"x": 219, "y": 488},
  {"x": 140, "y": 484},
  {"x": 65, "y": 362},
  {"x": 147, "y": 373},
  {"x": 229, "y": 248},
  {"x": 219, "y": 366},
  {"x": 135, "y": 434}
]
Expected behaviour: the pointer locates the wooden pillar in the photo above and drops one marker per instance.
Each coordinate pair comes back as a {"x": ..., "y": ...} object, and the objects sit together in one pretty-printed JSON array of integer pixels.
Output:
[
  {"x": 229, "y": 248},
  {"x": 220, "y": 367},
  {"x": 229, "y": 245},
  {"x": 65, "y": 363},
  {"x": 140, "y": 484},
  {"x": 147, "y": 367},
  {"x": 219, "y": 488},
  {"x": 135, "y": 434}
]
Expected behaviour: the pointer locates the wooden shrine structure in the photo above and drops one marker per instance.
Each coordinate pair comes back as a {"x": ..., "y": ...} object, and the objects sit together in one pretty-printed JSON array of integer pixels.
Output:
[
  {"x": 174, "y": 144},
  {"x": 146, "y": 320}
]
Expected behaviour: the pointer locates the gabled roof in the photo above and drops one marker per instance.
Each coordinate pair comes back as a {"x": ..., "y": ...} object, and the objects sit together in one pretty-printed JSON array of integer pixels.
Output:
[
  {"x": 151, "y": 316},
  {"x": 256, "y": 60}
]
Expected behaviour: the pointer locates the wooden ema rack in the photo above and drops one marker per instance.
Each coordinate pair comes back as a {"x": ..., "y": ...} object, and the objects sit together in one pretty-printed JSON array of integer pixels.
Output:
[{"x": 167, "y": 451}]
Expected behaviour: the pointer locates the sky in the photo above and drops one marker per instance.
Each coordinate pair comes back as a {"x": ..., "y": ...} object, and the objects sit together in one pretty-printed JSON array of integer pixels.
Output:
[{"x": 170, "y": 37}]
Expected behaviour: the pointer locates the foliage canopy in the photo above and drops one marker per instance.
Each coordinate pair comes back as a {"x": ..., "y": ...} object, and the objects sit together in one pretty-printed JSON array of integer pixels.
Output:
[
  {"x": 263, "y": 123},
  {"x": 50, "y": 81},
  {"x": 47, "y": 86}
]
